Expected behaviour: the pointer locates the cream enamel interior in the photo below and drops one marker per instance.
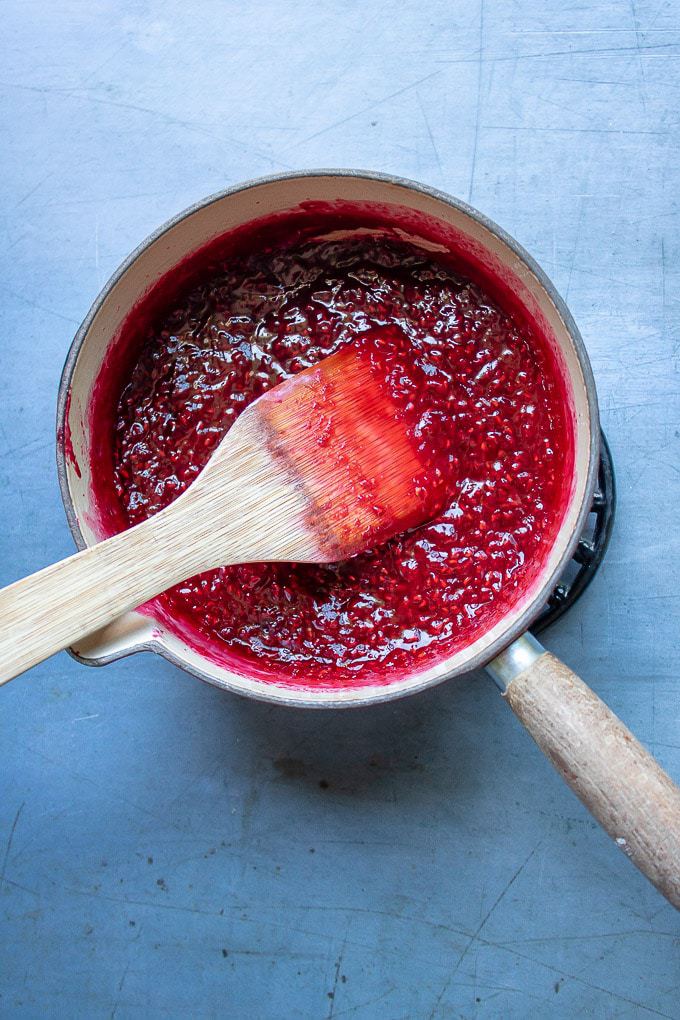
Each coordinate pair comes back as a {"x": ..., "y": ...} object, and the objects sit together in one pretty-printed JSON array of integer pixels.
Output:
[{"x": 193, "y": 230}]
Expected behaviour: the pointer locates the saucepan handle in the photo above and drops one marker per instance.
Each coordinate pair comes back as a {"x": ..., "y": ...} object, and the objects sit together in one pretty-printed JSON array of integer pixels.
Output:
[{"x": 607, "y": 768}]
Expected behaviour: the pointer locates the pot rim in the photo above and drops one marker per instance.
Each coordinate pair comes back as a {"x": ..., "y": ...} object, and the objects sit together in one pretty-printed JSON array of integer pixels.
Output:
[{"x": 324, "y": 698}]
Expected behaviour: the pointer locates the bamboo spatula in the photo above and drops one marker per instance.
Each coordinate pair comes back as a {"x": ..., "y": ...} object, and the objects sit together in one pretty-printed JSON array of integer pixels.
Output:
[{"x": 315, "y": 470}]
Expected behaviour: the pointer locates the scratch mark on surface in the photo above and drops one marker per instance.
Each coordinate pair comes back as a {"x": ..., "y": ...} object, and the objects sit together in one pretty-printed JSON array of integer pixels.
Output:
[
  {"x": 120, "y": 989},
  {"x": 597, "y": 52},
  {"x": 83, "y": 95},
  {"x": 31, "y": 445},
  {"x": 587, "y": 984},
  {"x": 81, "y": 778},
  {"x": 336, "y": 978},
  {"x": 153, "y": 905},
  {"x": 371, "y": 106},
  {"x": 24, "y": 888},
  {"x": 408, "y": 918},
  {"x": 16, "y": 241},
  {"x": 475, "y": 139},
  {"x": 475, "y": 935},
  {"x": 96, "y": 252},
  {"x": 597, "y": 936},
  {"x": 81, "y": 200},
  {"x": 43, "y": 89},
  {"x": 641, "y": 66},
  {"x": 587, "y": 31},
  {"x": 33, "y": 190},
  {"x": 190, "y": 125},
  {"x": 264, "y": 954},
  {"x": 276, "y": 924},
  {"x": 429, "y": 132},
  {"x": 98, "y": 68},
  {"x": 598, "y": 81},
  {"x": 575, "y": 250},
  {"x": 663, "y": 287},
  {"x": 10, "y": 839},
  {"x": 539, "y": 129},
  {"x": 38, "y": 307},
  {"x": 391, "y": 845},
  {"x": 328, "y": 937}
]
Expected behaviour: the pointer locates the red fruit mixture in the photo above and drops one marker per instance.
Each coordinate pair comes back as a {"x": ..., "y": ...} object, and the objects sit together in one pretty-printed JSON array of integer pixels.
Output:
[{"x": 481, "y": 386}]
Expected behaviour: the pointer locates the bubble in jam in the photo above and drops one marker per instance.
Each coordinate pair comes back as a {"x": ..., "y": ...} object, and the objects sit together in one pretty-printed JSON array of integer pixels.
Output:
[{"x": 478, "y": 385}]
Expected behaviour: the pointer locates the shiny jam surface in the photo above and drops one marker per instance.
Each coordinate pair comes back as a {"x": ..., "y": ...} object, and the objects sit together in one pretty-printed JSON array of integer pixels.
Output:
[{"x": 478, "y": 382}]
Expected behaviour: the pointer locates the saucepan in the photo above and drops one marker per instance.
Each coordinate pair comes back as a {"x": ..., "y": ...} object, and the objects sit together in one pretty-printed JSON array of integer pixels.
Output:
[{"x": 609, "y": 770}]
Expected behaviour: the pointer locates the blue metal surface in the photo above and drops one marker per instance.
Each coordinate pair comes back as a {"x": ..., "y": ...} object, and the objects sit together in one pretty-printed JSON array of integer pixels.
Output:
[{"x": 170, "y": 851}]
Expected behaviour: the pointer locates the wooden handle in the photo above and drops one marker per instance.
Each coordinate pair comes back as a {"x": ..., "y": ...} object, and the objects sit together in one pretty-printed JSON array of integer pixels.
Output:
[
  {"x": 607, "y": 768},
  {"x": 48, "y": 611}
]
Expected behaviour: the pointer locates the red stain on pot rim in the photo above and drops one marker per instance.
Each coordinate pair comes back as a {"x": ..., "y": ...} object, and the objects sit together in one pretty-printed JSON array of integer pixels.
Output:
[{"x": 65, "y": 440}]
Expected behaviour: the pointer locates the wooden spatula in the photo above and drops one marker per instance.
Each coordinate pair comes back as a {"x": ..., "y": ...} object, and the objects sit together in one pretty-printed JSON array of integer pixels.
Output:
[{"x": 317, "y": 469}]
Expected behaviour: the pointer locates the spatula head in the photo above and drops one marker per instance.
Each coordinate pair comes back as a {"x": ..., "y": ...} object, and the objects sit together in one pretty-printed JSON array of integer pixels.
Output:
[{"x": 329, "y": 463}]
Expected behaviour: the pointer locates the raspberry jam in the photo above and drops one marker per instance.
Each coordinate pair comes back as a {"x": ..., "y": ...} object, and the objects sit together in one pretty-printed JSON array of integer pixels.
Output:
[{"x": 480, "y": 383}]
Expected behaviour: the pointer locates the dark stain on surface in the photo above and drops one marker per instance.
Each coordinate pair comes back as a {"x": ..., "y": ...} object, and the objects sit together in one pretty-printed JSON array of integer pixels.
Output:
[
  {"x": 291, "y": 768},
  {"x": 351, "y": 778}
]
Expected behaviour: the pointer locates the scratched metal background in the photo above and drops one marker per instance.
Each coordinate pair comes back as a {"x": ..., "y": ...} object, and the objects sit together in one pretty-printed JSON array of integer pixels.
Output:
[{"x": 170, "y": 851}]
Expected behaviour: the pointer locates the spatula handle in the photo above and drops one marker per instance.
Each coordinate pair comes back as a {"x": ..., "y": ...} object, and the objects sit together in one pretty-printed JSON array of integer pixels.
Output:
[
  {"x": 617, "y": 779},
  {"x": 51, "y": 609}
]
